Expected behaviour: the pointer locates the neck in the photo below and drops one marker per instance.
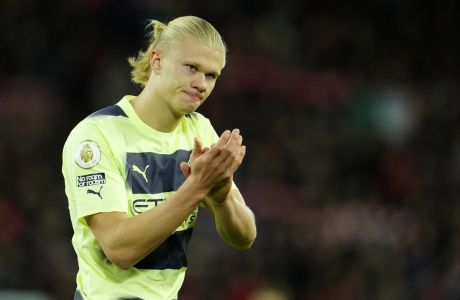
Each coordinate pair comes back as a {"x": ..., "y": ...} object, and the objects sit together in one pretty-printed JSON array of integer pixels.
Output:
[{"x": 154, "y": 111}]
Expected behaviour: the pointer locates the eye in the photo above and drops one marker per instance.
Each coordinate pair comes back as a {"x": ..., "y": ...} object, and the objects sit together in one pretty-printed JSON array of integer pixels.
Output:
[
  {"x": 211, "y": 76},
  {"x": 191, "y": 68}
]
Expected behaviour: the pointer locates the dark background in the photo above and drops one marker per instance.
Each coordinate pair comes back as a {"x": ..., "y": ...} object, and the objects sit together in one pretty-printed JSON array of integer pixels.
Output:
[{"x": 349, "y": 110}]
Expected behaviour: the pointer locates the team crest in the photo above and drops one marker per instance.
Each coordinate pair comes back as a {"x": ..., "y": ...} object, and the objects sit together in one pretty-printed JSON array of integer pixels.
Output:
[{"x": 88, "y": 154}]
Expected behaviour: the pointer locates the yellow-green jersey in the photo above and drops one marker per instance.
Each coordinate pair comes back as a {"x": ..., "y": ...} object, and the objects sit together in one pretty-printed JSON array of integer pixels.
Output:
[{"x": 113, "y": 161}]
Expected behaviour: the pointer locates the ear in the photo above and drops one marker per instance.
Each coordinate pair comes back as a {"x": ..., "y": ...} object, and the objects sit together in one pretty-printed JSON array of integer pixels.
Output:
[{"x": 155, "y": 61}]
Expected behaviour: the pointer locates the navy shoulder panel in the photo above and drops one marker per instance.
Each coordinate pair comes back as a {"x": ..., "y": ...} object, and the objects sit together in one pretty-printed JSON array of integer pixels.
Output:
[{"x": 113, "y": 110}]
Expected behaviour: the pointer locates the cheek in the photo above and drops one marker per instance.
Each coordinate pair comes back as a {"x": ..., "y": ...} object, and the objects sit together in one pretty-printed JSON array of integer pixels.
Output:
[
  {"x": 208, "y": 92},
  {"x": 172, "y": 84},
  {"x": 172, "y": 77},
  {"x": 211, "y": 86}
]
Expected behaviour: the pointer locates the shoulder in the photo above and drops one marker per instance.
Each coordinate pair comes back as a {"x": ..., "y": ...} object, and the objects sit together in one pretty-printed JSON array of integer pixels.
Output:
[
  {"x": 97, "y": 127},
  {"x": 101, "y": 120},
  {"x": 84, "y": 135},
  {"x": 110, "y": 111}
]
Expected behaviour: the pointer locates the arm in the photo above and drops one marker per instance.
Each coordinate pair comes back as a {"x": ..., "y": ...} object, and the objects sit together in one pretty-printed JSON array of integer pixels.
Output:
[
  {"x": 235, "y": 222},
  {"x": 124, "y": 239}
]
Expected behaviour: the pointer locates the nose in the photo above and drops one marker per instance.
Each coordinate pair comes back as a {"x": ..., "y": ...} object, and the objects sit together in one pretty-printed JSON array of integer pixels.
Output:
[{"x": 199, "y": 82}]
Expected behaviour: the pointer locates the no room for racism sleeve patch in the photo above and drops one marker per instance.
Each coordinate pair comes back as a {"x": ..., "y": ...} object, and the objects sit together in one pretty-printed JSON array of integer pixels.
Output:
[
  {"x": 90, "y": 179},
  {"x": 88, "y": 154}
]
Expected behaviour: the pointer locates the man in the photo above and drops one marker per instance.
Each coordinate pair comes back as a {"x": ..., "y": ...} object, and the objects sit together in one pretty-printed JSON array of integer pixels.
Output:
[{"x": 136, "y": 172}]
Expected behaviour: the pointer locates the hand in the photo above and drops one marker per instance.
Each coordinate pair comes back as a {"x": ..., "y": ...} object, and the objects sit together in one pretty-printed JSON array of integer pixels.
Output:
[
  {"x": 196, "y": 151},
  {"x": 214, "y": 167},
  {"x": 220, "y": 191}
]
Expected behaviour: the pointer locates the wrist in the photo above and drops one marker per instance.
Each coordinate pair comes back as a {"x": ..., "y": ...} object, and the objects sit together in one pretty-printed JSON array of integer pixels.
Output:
[
  {"x": 194, "y": 188},
  {"x": 217, "y": 200},
  {"x": 214, "y": 205}
]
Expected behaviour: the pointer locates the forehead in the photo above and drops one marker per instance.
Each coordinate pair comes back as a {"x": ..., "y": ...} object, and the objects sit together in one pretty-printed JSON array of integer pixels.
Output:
[{"x": 191, "y": 50}]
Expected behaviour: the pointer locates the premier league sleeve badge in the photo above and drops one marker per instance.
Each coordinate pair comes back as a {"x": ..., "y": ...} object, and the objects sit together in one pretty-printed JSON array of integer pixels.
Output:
[{"x": 88, "y": 154}]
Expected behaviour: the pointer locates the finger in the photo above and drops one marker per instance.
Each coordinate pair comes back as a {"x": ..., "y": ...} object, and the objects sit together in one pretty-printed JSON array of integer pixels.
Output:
[
  {"x": 242, "y": 153},
  {"x": 229, "y": 152},
  {"x": 197, "y": 145},
  {"x": 231, "y": 162},
  {"x": 235, "y": 140},
  {"x": 197, "y": 149},
  {"x": 234, "y": 134},
  {"x": 219, "y": 145},
  {"x": 223, "y": 139},
  {"x": 239, "y": 159}
]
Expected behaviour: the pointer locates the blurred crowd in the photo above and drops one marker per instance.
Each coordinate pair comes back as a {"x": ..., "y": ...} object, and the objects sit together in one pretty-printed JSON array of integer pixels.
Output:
[{"x": 349, "y": 112}]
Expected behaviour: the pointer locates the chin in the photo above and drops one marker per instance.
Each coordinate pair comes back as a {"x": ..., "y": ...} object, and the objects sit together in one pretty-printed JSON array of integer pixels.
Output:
[
  {"x": 187, "y": 109},
  {"x": 183, "y": 111}
]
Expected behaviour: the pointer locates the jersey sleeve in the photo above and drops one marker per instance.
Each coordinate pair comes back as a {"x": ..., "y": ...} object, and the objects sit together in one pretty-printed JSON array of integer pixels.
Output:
[{"x": 93, "y": 179}]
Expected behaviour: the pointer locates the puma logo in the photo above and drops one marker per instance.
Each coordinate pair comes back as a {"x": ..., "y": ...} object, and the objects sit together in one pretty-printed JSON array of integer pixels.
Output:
[
  {"x": 94, "y": 192},
  {"x": 136, "y": 169}
]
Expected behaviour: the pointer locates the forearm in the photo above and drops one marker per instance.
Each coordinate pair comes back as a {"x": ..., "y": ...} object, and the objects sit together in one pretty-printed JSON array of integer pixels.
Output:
[
  {"x": 235, "y": 222},
  {"x": 129, "y": 239}
]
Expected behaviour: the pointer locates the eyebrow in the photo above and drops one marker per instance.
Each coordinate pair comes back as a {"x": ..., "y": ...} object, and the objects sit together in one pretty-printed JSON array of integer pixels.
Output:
[
  {"x": 199, "y": 66},
  {"x": 214, "y": 74}
]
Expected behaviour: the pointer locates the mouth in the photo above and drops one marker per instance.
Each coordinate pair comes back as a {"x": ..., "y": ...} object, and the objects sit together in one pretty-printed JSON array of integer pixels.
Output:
[{"x": 196, "y": 97}]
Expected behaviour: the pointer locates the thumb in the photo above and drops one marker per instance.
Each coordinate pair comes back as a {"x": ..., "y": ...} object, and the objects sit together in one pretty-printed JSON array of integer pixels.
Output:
[
  {"x": 197, "y": 149},
  {"x": 185, "y": 167},
  {"x": 196, "y": 152}
]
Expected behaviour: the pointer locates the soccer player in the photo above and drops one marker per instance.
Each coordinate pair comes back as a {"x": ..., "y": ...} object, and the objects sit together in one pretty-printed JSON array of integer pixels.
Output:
[{"x": 136, "y": 172}]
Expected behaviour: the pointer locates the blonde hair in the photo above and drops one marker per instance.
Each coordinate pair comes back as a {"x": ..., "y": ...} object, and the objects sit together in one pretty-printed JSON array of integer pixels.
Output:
[{"x": 162, "y": 36}]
